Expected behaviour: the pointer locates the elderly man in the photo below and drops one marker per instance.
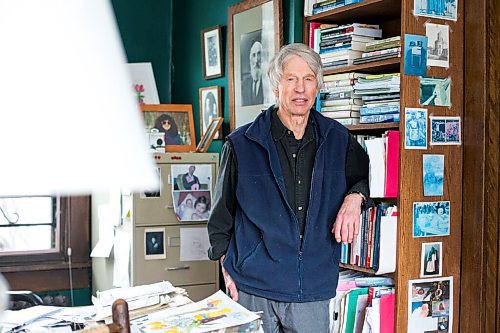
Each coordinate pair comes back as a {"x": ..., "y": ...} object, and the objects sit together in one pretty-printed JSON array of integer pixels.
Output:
[
  {"x": 287, "y": 181},
  {"x": 251, "y": 86}
]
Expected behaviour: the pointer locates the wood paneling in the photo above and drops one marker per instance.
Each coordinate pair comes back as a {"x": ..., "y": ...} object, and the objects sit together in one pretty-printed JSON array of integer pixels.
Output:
[{"x": 480, "y": 292}]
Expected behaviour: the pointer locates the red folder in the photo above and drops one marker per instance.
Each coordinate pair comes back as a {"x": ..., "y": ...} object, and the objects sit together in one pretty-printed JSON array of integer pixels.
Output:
[
  {"x": 387, "y": 303},
  {"x": 312, "y": 26},
  {"x": 392, "y": 158}
]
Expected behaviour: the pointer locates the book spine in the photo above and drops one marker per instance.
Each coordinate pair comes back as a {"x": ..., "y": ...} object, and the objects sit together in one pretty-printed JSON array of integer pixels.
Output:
[
  {"x": 321, "y": 9},
  {"x": 378, "y": 110},
  {"x": 339, "y": 83},
  {"x": 379, "y": 118},
  {"x": 340, "y": 95},
  {"x": 381, "y": 52}
]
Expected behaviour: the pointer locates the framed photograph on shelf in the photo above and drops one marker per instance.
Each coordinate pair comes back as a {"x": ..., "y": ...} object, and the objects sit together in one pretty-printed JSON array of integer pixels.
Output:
[
  {"x": 175, "y": 121},
  {"x": 207, "y": 139},
  {"x": 211, "y": 46},
  {"x": 255, "y": 35},
  {"x": 210, "y": 108}
]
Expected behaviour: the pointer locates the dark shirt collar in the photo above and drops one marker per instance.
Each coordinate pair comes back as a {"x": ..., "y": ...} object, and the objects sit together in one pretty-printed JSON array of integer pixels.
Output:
[{"x": 278, "y": 130}]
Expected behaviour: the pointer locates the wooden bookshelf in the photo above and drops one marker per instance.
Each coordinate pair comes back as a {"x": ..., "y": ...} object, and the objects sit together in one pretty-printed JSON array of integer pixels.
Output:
[
  {"x": 357, "y": 268},
  {"x": 374, "y": 67},
  {"x": 366, "y": 11},
  {"x": 396, "y": 17},
  {"x": 371, "y": 127}
]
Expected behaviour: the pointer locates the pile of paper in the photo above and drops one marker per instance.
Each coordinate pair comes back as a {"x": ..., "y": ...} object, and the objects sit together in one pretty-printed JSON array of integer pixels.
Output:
[{"x": 139, "y": 297}]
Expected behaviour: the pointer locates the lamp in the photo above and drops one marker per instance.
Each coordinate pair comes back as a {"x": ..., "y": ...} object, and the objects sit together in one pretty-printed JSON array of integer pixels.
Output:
[{"x": 68, "y": 122}]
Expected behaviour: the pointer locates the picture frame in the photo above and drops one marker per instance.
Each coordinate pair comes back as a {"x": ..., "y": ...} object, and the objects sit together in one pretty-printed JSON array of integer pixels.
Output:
[
  {"x": 211, "y": 49},
  {"x": 207, "y": 139},
  {"x": 255, "y": 35},
  {"x": 210, "y": 108},
  {"x": 154, "y": 244},
  {"x": 182, "y": 135}
]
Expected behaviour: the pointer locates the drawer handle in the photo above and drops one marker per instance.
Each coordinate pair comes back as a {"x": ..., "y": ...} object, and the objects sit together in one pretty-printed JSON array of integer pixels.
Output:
[
  {"x": 169, "y": 206},
  {"x": 178, "y": 268}
]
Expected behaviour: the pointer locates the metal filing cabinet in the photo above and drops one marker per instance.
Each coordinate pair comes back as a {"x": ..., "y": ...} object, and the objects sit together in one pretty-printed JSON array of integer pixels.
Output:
[{"x": 149, "y": 213}]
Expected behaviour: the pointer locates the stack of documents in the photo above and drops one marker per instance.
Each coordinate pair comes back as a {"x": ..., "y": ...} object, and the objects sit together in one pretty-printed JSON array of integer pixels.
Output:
[{"x": 139, "y": 297}]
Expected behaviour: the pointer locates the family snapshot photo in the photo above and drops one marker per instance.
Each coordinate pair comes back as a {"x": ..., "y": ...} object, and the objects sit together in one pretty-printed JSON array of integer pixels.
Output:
[
  {"x": 431, "y": 219},
  {"x": 191, "y": 191},
  {"x": 430, "y": 305}
]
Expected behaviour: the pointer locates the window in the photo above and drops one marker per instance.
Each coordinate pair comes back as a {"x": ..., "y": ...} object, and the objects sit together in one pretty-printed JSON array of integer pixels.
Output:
[{"x": 29, "y": 224}]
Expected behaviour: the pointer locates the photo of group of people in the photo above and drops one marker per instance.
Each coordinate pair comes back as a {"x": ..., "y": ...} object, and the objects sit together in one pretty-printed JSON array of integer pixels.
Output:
[
  {"x": 191, "y": 191},
  {"x": 430, "y": 306},
  {"x": 431, "y": 219}
]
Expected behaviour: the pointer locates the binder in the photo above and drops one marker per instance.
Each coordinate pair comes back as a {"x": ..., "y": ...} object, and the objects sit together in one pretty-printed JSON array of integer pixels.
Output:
[
  {"x": 392, "y": 158},
  {"x": 387, "y": 303}
]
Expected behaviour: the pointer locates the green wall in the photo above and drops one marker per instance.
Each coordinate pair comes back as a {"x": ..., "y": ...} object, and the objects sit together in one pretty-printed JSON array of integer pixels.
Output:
[
  {"x": 189, "y": 18},
  {"x": 146, "y": 31},
  {"x": 167, "y": 34}
]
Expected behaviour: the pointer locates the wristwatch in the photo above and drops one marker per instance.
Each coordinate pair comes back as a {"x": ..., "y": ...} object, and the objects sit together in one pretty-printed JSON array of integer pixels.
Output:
[{"x": 363, "y": 198}]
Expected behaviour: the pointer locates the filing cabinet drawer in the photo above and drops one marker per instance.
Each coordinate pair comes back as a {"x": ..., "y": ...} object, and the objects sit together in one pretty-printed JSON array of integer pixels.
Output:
[{"x": 170, "y": 268}]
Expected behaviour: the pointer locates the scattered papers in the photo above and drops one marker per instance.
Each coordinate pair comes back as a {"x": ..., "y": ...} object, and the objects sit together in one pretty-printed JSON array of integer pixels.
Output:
[{"x": 215, "y": 312}]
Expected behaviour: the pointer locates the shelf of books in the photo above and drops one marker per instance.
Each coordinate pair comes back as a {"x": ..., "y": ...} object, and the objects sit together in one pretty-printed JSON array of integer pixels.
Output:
[{"x": 381, "y": 85}]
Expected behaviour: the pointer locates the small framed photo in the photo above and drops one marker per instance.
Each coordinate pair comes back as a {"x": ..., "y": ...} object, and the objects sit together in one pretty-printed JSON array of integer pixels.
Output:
[
  {"x": 431, "y": 219},
  {"x": 170, "y": 126},
  {"x": 441, "y": 9},
  {"x": 435, "y": 91},
  {"x": 154, "y": 243},
  {"x": 210, "y": 108},
  {"x": 207, "y": 139},
  {"x": 431, "y": 260},
  {"x": 211, "y": 46},
  {"x": 415, "y": 128},
  {"x": 445, "y": 131}
]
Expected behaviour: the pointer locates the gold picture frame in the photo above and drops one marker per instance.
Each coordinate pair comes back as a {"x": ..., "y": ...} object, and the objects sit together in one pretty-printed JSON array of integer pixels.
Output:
[
  {"x": 179, "y": 118},
  {"x": 210, "y": 108}
]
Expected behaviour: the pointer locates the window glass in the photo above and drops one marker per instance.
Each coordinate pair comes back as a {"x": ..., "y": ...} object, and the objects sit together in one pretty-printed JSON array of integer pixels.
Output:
[{"x": 28, "y": 224}]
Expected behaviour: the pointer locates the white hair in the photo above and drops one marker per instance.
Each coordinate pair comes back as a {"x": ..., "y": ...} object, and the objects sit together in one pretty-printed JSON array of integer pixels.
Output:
[{"x": 275, "y": 70}]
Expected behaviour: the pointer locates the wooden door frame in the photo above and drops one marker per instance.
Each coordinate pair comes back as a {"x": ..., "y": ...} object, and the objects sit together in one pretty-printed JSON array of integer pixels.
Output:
[{"x": 480, "y": 286}]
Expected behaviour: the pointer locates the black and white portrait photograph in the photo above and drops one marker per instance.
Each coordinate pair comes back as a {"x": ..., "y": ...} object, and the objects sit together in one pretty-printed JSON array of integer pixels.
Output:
[
  {"x": 210, "y": 108},
  {"x": 431, "y": 219},
  {"x": 415, "y": 128},
  {"x": 445, "y": 130},
  {"x": 251, "y": 68},
  {"x": 438, "y": 53},
  {"x": 154, "y": 243},
  {"x": 431, "y": 259},
  {"x": 435, "y": 91},
  {"x": 433, "y": 174},
  {"x": 211, "y": 46}
]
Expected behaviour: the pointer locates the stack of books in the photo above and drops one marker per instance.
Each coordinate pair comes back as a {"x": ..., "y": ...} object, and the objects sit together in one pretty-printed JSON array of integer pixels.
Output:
[
  {"x": 380, "y": 49},
  {"x": 380, "y": 94},
  {"x": 327, "y": 5},
  {"x": 339, "y": 46},
  {"x": 337, "y": 99},
  {"x": 363, "y": 303}
]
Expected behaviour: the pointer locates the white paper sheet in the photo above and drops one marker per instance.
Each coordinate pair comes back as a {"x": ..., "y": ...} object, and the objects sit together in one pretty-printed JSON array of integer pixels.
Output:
[
  {"x": 388, "y": 235},
  {"x": 194, "y": 244},
  {"x": 122, "y": 257}
]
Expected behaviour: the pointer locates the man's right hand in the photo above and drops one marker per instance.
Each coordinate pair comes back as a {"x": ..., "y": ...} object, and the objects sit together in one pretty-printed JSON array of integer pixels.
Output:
[{"x": 228, "y": 281}]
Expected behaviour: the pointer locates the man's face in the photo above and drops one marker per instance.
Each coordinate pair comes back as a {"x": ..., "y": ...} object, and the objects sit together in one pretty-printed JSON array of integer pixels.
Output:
[
  {"x": 297, "y": 88},
  {"x": 255, "y": 60},
  {"x": 191, "y": 169}
]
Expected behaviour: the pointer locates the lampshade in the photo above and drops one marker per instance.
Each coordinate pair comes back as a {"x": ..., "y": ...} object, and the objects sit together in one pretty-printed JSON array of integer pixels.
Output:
[{"x": 68, "y": 120}]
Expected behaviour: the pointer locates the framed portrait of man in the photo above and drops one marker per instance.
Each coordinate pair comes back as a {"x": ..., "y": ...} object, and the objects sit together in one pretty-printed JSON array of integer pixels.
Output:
[
  {"x": 211, "y": 44},
  {"x": 255, "y": 34}
]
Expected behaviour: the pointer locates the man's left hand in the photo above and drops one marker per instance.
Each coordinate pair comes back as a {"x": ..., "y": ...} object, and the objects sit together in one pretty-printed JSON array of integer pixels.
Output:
[{"x": 346, "y": 226}]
